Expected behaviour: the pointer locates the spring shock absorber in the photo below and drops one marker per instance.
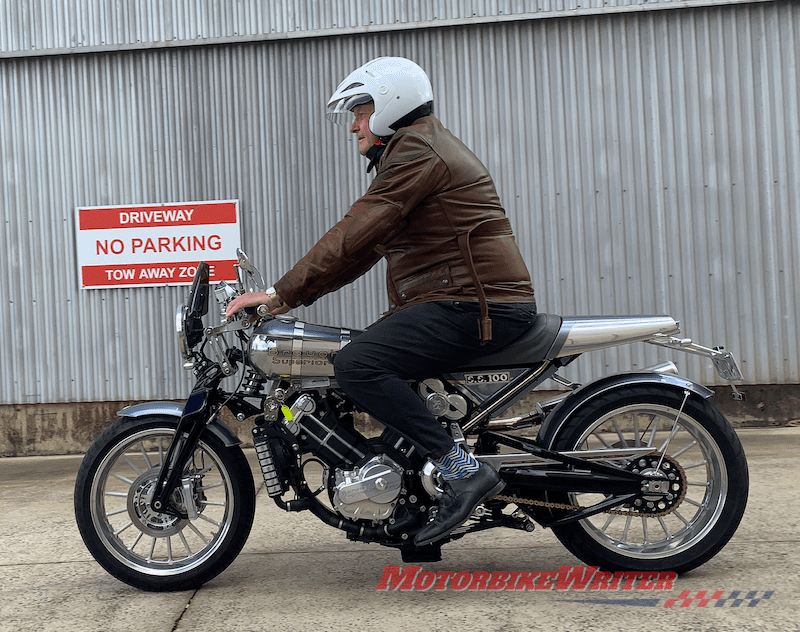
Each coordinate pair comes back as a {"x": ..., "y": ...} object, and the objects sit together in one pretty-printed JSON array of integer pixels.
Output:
[
  {"x": 252, "y": 383},
  {"x": 267, "y": 462}
]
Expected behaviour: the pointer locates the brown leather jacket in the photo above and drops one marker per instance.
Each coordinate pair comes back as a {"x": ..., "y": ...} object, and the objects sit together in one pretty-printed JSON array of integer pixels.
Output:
[{"x": 433, "y": 212}]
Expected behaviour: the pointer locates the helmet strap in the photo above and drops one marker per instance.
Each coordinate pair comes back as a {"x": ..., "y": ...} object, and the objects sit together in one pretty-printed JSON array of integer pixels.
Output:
[{"x": 375, "y": 152}]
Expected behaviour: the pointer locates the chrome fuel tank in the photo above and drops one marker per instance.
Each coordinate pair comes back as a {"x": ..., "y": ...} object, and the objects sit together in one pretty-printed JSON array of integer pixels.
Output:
[{"x": 292, "y": 348}]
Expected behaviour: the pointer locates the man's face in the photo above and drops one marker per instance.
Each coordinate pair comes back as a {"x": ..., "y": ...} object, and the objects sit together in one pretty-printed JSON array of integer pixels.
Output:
[{"x": 360, "y": 127}]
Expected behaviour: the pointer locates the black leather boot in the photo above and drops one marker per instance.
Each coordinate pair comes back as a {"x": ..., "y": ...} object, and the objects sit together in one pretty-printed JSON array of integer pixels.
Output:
[{"x": 458, "y": 501}]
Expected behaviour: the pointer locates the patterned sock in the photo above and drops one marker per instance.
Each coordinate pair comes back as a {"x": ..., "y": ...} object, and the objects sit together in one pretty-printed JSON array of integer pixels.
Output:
[{"x": 456, "y": 464}]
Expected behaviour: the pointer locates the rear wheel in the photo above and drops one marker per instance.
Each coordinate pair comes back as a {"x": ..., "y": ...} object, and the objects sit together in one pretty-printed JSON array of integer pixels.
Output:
[
  {"x": 694, "y": 445},
  {"x": 159, "y": 551}
]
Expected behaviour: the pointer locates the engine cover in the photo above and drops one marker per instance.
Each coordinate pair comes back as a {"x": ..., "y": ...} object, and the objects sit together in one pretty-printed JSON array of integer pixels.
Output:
[
  {"x": 369, "y": 492},
  {"x": 440, "y": 403}
]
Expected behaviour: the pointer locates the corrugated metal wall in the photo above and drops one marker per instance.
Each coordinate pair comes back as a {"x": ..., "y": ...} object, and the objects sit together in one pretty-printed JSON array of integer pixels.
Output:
[
  {"x": 649, "y": 162},
  {"x": 58, "y": 26}
]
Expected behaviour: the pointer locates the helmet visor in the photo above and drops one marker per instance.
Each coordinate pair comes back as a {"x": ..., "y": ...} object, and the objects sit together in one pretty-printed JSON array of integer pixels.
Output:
[{"x": 340, "y": 111}]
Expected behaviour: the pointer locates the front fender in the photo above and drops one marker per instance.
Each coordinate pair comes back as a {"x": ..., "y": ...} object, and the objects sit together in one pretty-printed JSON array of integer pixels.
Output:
[
  {"x": 221, "y": 430},
  {"x": 564, "y": 410}
]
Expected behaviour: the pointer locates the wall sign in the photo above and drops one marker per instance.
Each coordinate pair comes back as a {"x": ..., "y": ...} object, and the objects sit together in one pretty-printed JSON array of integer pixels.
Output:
[{"x": 156, "y": 244}]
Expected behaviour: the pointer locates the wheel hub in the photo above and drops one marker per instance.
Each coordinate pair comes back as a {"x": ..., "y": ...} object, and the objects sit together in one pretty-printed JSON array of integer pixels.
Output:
[
  {"x": 667, "y": 489},
  {"x": 147, "y": 520}
]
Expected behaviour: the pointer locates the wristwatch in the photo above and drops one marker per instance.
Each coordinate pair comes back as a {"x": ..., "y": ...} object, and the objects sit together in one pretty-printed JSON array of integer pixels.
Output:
[{"x": 271, "y": 293}]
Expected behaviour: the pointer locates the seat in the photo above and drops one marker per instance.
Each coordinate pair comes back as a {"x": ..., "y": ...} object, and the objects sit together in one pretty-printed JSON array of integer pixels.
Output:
[{"x": 531, "y": 347}]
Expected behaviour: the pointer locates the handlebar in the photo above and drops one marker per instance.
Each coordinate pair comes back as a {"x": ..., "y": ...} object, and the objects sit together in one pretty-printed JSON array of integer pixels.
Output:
[{"x": 261, "y": 310}]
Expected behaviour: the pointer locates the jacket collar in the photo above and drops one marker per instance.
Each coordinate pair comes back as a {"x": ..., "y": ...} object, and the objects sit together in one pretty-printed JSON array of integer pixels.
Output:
[{"x": 376, "y": 152}]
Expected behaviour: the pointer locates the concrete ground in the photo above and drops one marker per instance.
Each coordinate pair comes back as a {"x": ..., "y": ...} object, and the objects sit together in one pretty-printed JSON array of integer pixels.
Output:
[{"x": 297, "y": 574}]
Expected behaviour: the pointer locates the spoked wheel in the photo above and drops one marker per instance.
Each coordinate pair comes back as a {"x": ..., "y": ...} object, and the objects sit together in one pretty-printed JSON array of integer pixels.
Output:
[
  {"x": 159, "y": 551},
  {"x": 693, "y": 516}
]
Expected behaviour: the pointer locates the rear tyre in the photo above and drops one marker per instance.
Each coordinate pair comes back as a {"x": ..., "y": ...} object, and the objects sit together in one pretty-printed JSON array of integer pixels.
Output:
[
  {"x": 157, "y": 551},
  {"x": 704, "y": 452}
]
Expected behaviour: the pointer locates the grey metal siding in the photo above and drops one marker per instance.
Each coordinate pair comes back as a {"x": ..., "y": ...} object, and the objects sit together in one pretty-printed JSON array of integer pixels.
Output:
[
  {"x": 36, "y": 27},
  {"x": 648, "y": 161}
]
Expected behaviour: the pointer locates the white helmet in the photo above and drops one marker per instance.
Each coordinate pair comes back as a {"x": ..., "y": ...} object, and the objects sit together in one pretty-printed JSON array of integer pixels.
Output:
[{"x": 397, "y": 86}]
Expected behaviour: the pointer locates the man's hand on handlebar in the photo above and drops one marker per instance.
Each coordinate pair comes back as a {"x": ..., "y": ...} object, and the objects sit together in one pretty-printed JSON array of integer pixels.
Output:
[{"x": 269, "y": 298}]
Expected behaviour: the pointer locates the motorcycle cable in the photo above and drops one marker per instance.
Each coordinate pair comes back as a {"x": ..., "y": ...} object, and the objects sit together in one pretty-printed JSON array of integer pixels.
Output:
[
  {"x": 325, "y": 475},
  {"x": 238, "y": 386}
]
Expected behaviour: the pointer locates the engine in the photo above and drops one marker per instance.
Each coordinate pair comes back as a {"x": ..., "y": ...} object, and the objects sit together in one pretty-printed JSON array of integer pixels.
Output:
[{"x": 369, "y": 492}]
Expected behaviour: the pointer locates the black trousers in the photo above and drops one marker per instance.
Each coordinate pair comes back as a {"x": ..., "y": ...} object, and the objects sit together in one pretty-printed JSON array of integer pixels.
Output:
[{"x": 418, "y": 342}]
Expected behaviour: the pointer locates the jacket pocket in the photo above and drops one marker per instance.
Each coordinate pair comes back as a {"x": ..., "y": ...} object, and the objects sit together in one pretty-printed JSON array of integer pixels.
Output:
[{"x": 436, "y": 279}]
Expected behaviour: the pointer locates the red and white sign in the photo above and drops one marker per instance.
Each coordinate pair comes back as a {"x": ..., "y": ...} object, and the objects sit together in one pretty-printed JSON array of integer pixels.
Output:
[{"x": 156, "y": 244}]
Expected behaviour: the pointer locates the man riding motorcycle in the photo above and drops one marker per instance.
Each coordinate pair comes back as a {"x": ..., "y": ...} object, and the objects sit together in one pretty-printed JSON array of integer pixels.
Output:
[{"x": 457, "y": 285}]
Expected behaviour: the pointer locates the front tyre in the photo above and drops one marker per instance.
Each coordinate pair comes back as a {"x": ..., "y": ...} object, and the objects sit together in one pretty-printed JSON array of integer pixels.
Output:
[
  {"x": 158, "y": 551},
  {"x": 701, "y": 451}
]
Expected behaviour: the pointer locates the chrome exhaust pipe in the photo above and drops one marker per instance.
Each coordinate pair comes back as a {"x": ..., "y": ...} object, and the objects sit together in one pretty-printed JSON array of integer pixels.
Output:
[
  {"x": 663, "y": 367},
  {"x": 514, "y": 423},
  {"x": 527, "y": 420}
]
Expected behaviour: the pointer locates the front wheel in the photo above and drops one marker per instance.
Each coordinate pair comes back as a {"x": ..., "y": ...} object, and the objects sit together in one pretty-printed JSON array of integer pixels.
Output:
[
  {"x": 693, "y": 444},
  {"x": 152, "y": 550}
]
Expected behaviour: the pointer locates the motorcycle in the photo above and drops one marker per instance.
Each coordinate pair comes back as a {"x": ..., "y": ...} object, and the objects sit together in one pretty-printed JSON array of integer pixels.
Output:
[{"x": 632, "y": 472}]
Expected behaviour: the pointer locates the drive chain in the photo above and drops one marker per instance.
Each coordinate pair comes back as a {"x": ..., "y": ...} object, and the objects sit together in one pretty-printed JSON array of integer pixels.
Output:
[
  {"x": 568, "y": 507},
  {"x": 616, "y": 512}
]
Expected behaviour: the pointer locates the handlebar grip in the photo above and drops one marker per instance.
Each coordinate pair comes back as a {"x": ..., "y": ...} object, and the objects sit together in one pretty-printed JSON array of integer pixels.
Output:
[{"x": 260, "y": 310}]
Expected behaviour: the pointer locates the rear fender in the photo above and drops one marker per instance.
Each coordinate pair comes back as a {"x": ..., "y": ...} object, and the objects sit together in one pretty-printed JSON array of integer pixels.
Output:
[
  {"x": 564, "y": 410},
  {"x": 222, "y": 431}
]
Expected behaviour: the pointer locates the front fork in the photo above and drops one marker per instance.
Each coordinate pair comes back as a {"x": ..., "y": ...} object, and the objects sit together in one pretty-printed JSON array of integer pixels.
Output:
[{"x": 191, "y": 425}]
